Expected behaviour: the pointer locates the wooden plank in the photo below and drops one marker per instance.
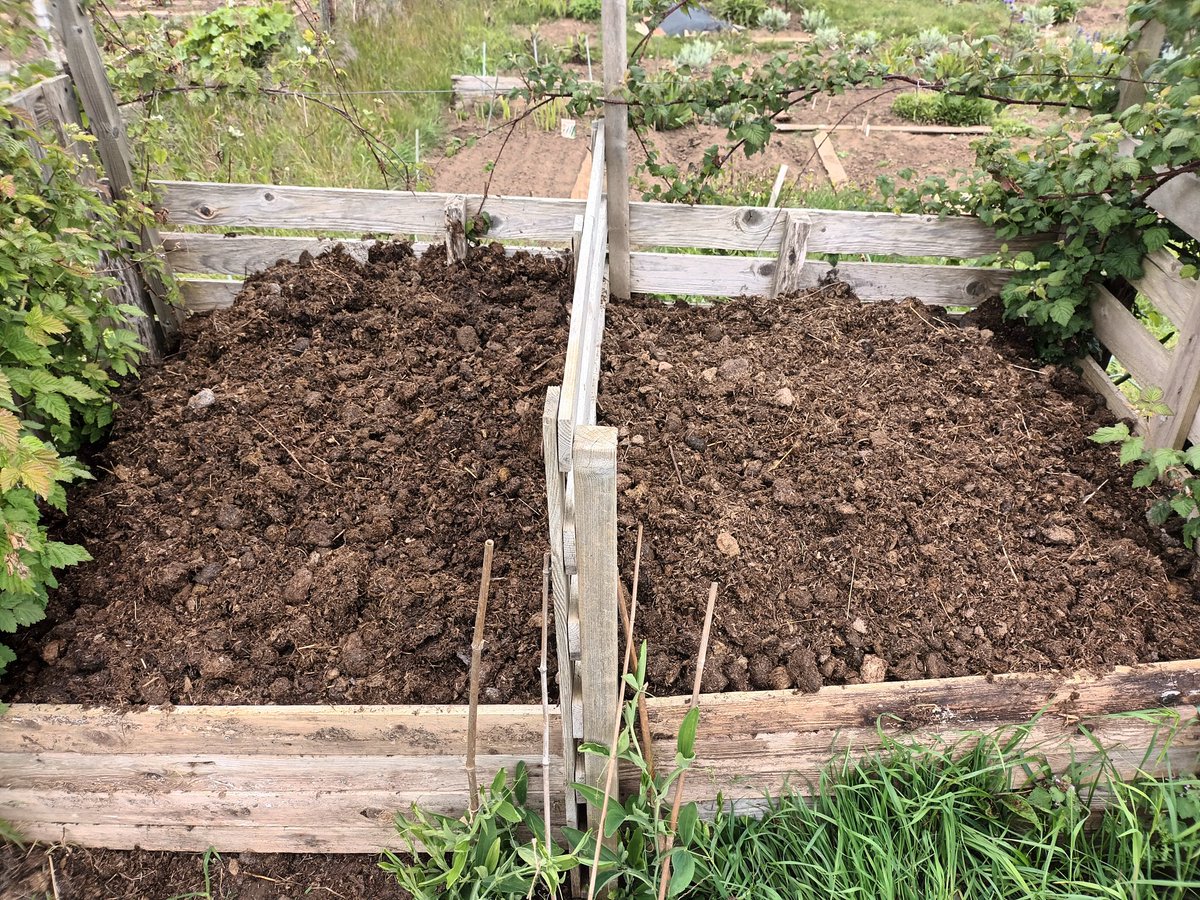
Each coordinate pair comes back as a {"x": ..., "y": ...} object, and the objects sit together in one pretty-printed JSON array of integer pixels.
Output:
[
  {"x": 207, "y": 294},
  {"x": 616, "y": 140},
  {"x": 331, "y": 210},
  {"x": 273, "y": 730},
  {"x": 834, "y": 231},
  {"x": 456, "y": 229},
  {"x": 1099, "y": 382},
  {"x": 751, "y": 742},
  {"x": 595, "y": 471},
  {"x": 317, "y": 837},
  {"x": 829, "y": 159},
  {"x": 736, "y": 276},
  {"x": 1171, "y": 294},
  {"x": 789, "y": 270},
  {"x": 1145, "y": 50},
  {"x": 1120, "y": 331},
  {"x": 592, "y": 249},
  {"x": 785, "y": 127},
  {"x": 558, "y": 576},
  {"x": 1179, "y": 201},
  {"x": 777, "y": 187},
  {"x": 1181, "y": 392},
  {"x": 482, "y": 87},
  {"x": 86, "y": 66}
]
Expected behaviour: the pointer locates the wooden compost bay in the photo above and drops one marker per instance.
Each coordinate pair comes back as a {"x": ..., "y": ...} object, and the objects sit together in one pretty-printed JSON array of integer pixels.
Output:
[{"x": 330, "y": 778}]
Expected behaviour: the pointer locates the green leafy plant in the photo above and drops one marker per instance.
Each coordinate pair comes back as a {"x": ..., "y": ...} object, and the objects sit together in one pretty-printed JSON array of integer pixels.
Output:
[
  {"x": 205, "y": 892},
  {"x": 1175, "y": 474},
  {"x": 865, "y": 41},
  {"x": 930, "y": 41},
  {"x": 742, "y": 12},
  {"x": 584, "y": 10},
  {"x": 61, "y": 345},
  {"x": 696, "y": 54},
  {"x": 481, "y": 855},
  {"x": 944, "y": 109},
  {"x": 240, "y": 35},
  {"x": 774, "y": 19},
  {"x": 814, "y": 19},
  {"x": 827, "y": 37},
  {"x": 1064, "y": 10},
  {"x": 1039, "y": 16}
]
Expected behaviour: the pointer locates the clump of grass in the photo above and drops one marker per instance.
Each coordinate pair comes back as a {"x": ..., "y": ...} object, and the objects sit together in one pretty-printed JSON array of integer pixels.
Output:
[{"x": 982, "y": 819}]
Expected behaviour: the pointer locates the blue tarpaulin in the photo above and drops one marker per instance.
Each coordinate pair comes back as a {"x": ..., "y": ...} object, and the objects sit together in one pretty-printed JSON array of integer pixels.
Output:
[{"x": 695, "y": 20}]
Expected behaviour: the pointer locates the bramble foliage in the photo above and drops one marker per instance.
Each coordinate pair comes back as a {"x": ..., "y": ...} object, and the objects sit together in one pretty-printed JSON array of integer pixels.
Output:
[
  {"x": 59, "y": 350},
  {"x": 236, "y": 36}
]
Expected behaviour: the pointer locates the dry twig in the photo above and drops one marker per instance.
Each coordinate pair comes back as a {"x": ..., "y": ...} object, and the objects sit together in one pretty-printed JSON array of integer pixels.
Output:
[{"x": 545, "y": 699}]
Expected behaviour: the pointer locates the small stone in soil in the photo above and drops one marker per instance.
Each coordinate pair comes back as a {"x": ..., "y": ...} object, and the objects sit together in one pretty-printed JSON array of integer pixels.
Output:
[
  {"x": 873, "y": 671},
  {"x": 209, "y": 573},
  {"x": 297, "y": 589},
  {"x": 728, "y": 544},
  {"x": 736, "y": 369},
  {"x": 713, "y": 332},
  {"x": 784, "y": 398},
  {"x": 1056, "y": 534},
  {"x": 201, "y": 400},
  {"x": 784, "y": 493},
  {"x": 694, "y": 441},
  {"x": 467, "y": 338},
  {"x": 301, "y": 345}
]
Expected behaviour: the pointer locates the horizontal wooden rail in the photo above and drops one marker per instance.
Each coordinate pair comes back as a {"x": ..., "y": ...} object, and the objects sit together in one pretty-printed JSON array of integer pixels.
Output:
[
  {"x": 1119, "y": 330},
  {"x": 328, "y": 210},
  {"x": 1179, "y": 201},
  {"x": 1172, "y": 294},
  {"x": 833, "y": 231},
  {"x": 735, "y": 276},
  {"x": 749, "y": 743},
  {"x": 267, "y": 779}
]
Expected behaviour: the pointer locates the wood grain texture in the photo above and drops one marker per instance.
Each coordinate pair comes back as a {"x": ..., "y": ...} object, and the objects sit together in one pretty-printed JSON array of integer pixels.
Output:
[
  {"x": 558, "y": 577},
  {"x": 834, "y": 231},
  {"x": 793, "y": 251},
  {"x": 331, "y": 210},
  {"x": 1172, "y": 294},
  {"x": 1120, "y": 331},
  {"x": 751, "y": 742},
  {"x": 595, "y": 471},
  {"x": 1099, "y": 382},
  {"x": 585, "y": 305},
  {"x": 616, "y": 141},
  {"x": 1179, "y": 201},
  {"x": 1181, "y": 390},
  {"x": 735, "y": 276},
  {"x": 206, "y": 294},
  {"x": 829, "y": 159},
  {"x": 456, "y": 229}
]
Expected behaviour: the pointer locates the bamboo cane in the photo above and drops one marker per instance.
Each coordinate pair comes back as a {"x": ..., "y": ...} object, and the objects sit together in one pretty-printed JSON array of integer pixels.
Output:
[{"x": 545, "y": 701}]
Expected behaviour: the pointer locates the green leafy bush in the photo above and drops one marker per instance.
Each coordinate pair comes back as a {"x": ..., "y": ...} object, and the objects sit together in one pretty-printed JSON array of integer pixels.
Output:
[
  {"x": 1064, "y": 10},
  {"x": 814, "y": 19},
  {"x": 774, "y": 19},
  {"x": 932, "y": 108},
  {"x": 742, "y": 12},
  {"x": 584, "y": 10},
  {"x": 60, "y": 346},
  {"x": 696, "y": 54},
  {"x": 245, "y": 35}
]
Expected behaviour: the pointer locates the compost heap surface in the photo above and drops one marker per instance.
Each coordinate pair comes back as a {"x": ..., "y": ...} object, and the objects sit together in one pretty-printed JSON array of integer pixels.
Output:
[
  {"x": 880, "y": 495},
  {"x": 316, "y": 533}
]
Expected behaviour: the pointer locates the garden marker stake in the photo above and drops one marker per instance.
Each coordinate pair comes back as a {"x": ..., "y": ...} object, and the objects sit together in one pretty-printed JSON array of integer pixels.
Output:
[
  {"x": 476, "y": 652},
  {"x": 545, "y": 700},
  {"x": 612, "y": 747},
  {"x": 708, "y": 614}
]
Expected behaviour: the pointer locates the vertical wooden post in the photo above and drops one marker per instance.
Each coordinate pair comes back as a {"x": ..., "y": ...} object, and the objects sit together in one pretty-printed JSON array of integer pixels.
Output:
[
  {"x": 555, "y": 484},
  {"x": 456, "y": 230},
  {"x": 1145, "y": 50},
  {"x": 595, "y": 468},
  {"x": 1182, "y": 389},
  {"x": 616, "y": 149},
  {"x": 576, "y": 244},
  {"x": 793, "y": 250},
  {"x": 86, "y": 67}
]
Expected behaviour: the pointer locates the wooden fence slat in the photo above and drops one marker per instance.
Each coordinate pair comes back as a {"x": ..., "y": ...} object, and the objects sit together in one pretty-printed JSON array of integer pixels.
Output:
[
  {"x": 1181, "y": 390},
  {"x": 1120, "y": 331},
  {"x": 316, "y": 837},
  {"x": 1171, "y": 294},
  {"x": 456, "y": 229},
  {"x": 1179, "y": 201},
  {"x": 207, "y": 294},
  {"x": 1099, "y": 382},
  {"x": 595, "y": 471},
  {"x": 593, "y": 247},
  {"x": 793, "y": 251},
  {"x": 331, "y": 210},
  {"x": 273, "y": 730},
  {"x": 735, "y": 276},
  {"x": 834, "y": 231}
]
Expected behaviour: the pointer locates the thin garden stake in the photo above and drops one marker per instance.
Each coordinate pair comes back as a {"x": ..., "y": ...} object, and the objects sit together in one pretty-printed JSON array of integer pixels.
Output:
[
  {"x": 708, "y": 614},
  {"x": 643, "y": 715},
  {"x": 611, "y": 768},
  {"x": 545, "y": 700},
  {"x": 476, "y": 652}
]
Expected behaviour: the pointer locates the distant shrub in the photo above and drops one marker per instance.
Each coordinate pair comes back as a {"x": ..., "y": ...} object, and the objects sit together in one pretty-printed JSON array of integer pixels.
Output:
[
  {"x": 931, "y": 40},
  {"x": 1039, "y": 16},
  {"x": 827, "y": 37},
  {"x": 815, "y": 19},
  {"x": 696, "y": 54},
  {"x": 774, "y": 19},
  {"x": 864, "y": 41},
  {"x": 742, "y": 12},
  {"x": 1064, "y": 10},
  {"x": 246, "y": 35},
  {"x": 932, "y": 108},
  {"x": 584, "y": 10}
]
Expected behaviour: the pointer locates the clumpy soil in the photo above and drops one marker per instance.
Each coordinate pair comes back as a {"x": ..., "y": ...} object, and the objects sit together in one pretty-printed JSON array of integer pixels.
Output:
[
  {"x": 881, "y": 495},
  {"x": 316, "y": 533},
  {"x": 77, "y": 873}
]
